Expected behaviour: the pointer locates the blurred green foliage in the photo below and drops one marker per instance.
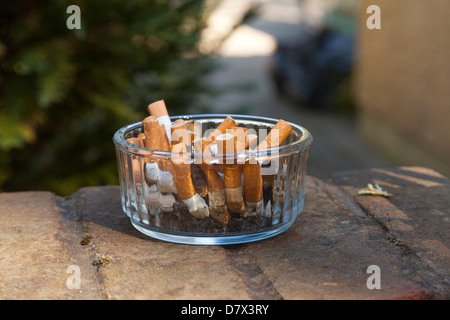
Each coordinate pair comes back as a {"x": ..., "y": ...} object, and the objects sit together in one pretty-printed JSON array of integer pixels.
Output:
[{"x": 63, "y": 93}]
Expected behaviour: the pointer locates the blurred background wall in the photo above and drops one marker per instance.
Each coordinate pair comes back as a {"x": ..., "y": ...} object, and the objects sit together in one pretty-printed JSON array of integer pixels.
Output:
[{"x": 402, "y": 81}]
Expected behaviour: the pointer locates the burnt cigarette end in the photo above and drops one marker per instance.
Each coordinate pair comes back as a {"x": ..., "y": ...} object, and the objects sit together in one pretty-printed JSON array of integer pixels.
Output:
[{"x": 234, "y": 200}]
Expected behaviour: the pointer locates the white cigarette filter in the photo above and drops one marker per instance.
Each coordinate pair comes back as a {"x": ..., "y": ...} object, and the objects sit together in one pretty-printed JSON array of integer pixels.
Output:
[
  {"x": 159, "y": 111},
  {"x": 254, "y": 208},
  {"x": 185, "y": 187},
  {"x": 160, "y": 201},
  {"x": 163, "y": 179},
  {"x": 197, "y": 206}
]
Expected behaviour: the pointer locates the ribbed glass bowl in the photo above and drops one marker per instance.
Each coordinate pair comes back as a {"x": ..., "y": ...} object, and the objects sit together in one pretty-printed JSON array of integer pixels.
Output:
[{"x": 164, "y": 216}]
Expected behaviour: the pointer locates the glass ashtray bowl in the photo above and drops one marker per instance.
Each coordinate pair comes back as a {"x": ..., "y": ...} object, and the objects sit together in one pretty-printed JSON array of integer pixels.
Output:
[{"x": 156, "y": 209}]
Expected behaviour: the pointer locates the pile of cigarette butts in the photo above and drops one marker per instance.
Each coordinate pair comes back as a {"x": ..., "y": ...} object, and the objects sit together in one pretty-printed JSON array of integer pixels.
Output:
[{"x": 226, "y": 188}]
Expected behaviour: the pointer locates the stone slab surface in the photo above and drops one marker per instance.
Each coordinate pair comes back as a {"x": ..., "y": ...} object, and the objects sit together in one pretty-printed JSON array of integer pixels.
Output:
[{"x": 324, "y": 255}]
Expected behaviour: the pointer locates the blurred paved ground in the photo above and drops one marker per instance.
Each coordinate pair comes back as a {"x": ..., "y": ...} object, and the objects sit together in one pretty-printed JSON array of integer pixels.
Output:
[{"x": 244, "y": 59}]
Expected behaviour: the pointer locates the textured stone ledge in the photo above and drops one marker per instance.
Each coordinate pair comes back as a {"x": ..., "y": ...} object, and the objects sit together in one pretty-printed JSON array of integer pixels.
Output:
[{"x": 324, "y": 255}]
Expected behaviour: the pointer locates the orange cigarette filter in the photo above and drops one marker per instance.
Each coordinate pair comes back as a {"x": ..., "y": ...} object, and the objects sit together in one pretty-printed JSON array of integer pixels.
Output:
[
  {"x": 180, "y": 133},
  {"x": 151, "y": 131},
  {"x": 164, "y": 142},
  {"x": 239, "y": 137},
  {"x": 178, "y": 121},
  {"x": 135, "y": 141},
  {"x": 253, "y": 183},
  {"x": 158, "y": 109},
  {"x": 134, "y": 161},
  {"x": 236, "y": 130},
  {"x": 276, "y": 136},
  {"x": 222, "y": 128},
  {"x": 232, "y": 172},
  {"x": 141, "y": 136},
  {"x": 155, "y": 135},
  {"x": 213, "y": 179},
  {"x": 156, "y": 139},
  {"x": 182, "y": 172}
]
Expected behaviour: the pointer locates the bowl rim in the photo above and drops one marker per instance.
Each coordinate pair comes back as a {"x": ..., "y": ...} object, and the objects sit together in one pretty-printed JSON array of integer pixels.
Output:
[{"x": 300, "y": 144}]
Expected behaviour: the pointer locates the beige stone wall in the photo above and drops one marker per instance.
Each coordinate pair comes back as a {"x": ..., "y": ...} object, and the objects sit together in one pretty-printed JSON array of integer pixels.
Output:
[{"x": 402, "y": 82}]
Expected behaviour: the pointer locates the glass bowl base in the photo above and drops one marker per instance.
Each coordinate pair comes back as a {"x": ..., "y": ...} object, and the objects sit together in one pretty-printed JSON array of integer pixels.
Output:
[{"x": 212, "y": 240}]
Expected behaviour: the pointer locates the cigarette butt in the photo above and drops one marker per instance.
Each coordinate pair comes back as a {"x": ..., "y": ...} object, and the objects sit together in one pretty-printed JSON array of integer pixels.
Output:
[
  {"x": 197, "y": 206},
  {"x": 222, "y": 128},
  {"x": 250, "y": 141},
  {"x": 253, "y": 184},
  {"x": 232, "y": 174},
  {"x": 135, "y": 165},
  {"x": 163, "y": 179},
  {"x": 141, "y": 135},
  {"x": 180, "y": 133},
  {"x": 135, "y": 141},
  {"x": 159, "y": 111},
  {"x": 155, "y": 138},
  {"x": 253, "y": 181},
  {"x": 183, "y": 180},
  {"x": 158, "y": 201},
  {"x": 179, "y": 125},
  {"x": 164, "y": 142},
  {"x": 254, "y": 208},
  {"x": 234, "y": 200},
  {"x": 215, "y": 184},
  {"x": 276, "y": 136},
  {"x": 218, "y": 207},
  {"x": 226, "y": 143},
  {"x": 213, "y": 179},
  {"x": 195, "y": 127},
  {"x": 236, "y": 129},
  {"x": 182, "y": 172},
  {"x": 199, "y": 180},
  {"x": 239, "y": 134},
  {"x": 151, "y": 131},
  {"x": 201, "y": 145}
]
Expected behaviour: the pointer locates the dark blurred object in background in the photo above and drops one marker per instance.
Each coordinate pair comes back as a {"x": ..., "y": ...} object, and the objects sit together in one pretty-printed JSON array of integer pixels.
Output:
[
  {"x": 315, "y": 71},
  {"x": 63, "y": 93}
]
